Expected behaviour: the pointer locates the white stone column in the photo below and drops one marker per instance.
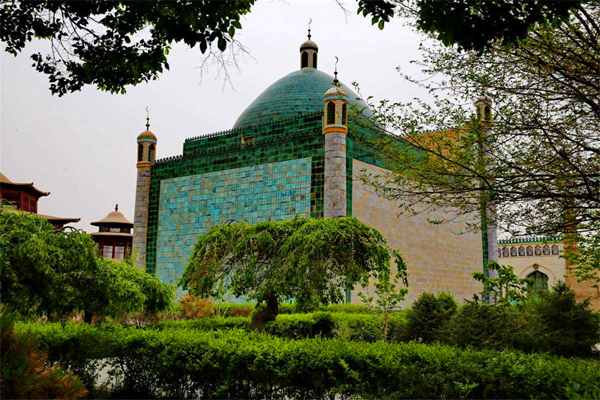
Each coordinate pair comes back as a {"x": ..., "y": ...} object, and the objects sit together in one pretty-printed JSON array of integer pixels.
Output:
[{"x": 334, "y": 195}]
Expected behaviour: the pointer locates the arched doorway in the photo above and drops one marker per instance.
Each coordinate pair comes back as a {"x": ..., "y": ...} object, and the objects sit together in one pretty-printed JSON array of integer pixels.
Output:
[{"x": 537, "y": 281}]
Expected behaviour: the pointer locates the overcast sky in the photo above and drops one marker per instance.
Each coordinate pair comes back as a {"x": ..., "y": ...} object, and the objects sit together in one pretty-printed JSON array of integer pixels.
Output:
[{"x": 82, "y": 147}]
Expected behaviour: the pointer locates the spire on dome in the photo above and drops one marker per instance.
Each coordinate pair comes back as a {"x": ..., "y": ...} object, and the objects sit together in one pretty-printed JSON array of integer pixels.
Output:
[
  {"x": 308, "y": 51},
  {"x": 335, "y": 72},
  {"x": 147, "y": 118}
]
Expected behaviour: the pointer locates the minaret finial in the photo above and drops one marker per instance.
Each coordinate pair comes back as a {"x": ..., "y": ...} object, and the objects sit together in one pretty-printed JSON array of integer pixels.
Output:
[
  {"x": 309, "y": 23},
  {"x": 147, "y": 118},
  {"x": 117, "y": 207},
  {"x": 335, "y": 72}
]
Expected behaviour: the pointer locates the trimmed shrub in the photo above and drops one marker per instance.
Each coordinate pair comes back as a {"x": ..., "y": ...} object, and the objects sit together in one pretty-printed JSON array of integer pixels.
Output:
[
  {"x": 239, "y": 364},
  {"x": 206, "y": 324},
  {"x": 298, "y": 326},
  {"x": 428, "y": 315},
  {"x": 347, "y": 308}
]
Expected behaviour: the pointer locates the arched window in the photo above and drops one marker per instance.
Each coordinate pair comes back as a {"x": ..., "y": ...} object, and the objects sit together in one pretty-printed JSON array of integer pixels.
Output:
[
  {"x": 151, "y": 152},
  {"x": 529, "y": 250},
  {"x": 304, "y": 59},
  {"x": 330, "y": 113},
  {"x": 555, "y": 250},
  {"x": 521, "y": 250},
  {"x": 546, "y": 250},
  {"x": 513, "y": 251},
  {"x": 344, "y": 112},
  {"x": 538, "y": 251},
  {"x": 140, "y": 151},
  {"x": 487, "y": 113},
  {"x": 314, "y": 60},
  {"x": 537, "y": 281},
  {"x": 505, "y": 252},
  {"x": 499, "y": 253}
]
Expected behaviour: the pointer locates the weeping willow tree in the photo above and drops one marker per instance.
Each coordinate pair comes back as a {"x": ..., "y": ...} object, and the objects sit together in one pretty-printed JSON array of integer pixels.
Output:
[{"x": 307, "y": 259}]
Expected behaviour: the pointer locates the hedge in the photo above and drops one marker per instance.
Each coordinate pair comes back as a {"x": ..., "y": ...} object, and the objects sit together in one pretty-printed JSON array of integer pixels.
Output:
[
  {"x": 183, "y": 363},
  {"x": 364, "y": 327},
  {"x": 237, "y": 309}
]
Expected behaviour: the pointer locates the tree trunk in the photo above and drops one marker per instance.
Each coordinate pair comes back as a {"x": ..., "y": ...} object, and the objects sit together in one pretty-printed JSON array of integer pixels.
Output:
[
  {"x": 265, "y": 313},
  {"x": 87, "y": 317}
]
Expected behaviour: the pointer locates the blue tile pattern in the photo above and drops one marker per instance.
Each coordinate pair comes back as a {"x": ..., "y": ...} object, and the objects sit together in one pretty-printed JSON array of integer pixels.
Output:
[{"x": 190, "y": 205}]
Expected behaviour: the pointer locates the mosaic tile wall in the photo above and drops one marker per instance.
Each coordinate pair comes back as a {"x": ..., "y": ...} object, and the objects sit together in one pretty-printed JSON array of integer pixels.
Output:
[
  {"x": 190, "y": 205},
  {"x": 293, "y": 139}
]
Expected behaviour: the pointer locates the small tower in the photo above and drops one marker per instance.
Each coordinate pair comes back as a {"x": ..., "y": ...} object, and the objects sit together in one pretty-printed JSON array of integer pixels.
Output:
[
  {"x": 114, "y": 235},
  {"x": 146, "y": 155},
  {"x": 308, "y": 53},
  {"x": 335, "y": 129}
]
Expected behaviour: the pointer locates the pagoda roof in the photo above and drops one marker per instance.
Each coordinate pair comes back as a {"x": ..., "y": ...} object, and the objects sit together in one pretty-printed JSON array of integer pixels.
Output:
[
  {"x": 114, "y": 218},
  {"x": 24, "y": 186},
  {"x": 118, "y": 234},
  {"x": 59, "y": 220}
]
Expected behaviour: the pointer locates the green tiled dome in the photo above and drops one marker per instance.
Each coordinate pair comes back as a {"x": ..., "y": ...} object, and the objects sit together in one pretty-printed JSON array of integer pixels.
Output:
[{"x": 299, "y": 92}]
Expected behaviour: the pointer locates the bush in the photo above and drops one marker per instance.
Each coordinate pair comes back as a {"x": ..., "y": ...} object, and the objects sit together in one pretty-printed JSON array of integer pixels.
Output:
[
  {"x": 298, "y": 326},
  {"x": 235, "y": 309},
  {"x": 193, "y": 307},
  {"x": 428, "y": 315},
  {"x": 558, "y": 324},
  {"x": 24, "y": 372},
  {"x": 484, "y": 325},
  {"x": 181, "y": 363}
]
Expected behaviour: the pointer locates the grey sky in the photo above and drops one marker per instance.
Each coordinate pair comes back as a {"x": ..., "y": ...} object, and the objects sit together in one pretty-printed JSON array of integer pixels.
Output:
[{"x": 82, "y": 147}]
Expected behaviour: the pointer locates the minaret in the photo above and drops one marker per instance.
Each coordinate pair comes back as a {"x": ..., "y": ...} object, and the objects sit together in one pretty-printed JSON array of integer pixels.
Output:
[
  {"x": 308, "y": 53},
  {"x": 146, "y": 155},
  {"x": 335, "y": 129}
]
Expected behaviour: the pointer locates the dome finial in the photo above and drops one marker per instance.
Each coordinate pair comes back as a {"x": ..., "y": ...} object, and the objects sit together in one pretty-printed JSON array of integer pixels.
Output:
[
  {"x": 309, "y": 23},
  {"x": 335, "y": 72},
  {"x": 147, "y": 118}
]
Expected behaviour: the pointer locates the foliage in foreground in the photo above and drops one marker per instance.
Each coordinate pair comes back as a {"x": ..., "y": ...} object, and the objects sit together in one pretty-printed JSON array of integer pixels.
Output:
[
  {"x": 311, "y": 260},
  {"x": 551, "y": 322},
  {"x": 56, "y": 274},
  {"x": 24, "y": 372},
  {"x": 360, "y": 327},
  {"x": 239, "y": 364}
]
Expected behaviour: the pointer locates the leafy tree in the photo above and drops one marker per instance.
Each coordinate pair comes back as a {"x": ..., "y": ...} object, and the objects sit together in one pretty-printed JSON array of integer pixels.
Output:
[
  {"x": 44, "y": 271},
  {"x": 472, "y": 24},
  {"x": 587, "y": 258},
  {"x": 115, "y": 43},
  {"x": 541, "y": 154},
  {"x": 504, "y": 286},
  {"x": 309, "y": 260},
  {"x": 57, "y": 273},
  {"x": 390, "y": 291}
]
